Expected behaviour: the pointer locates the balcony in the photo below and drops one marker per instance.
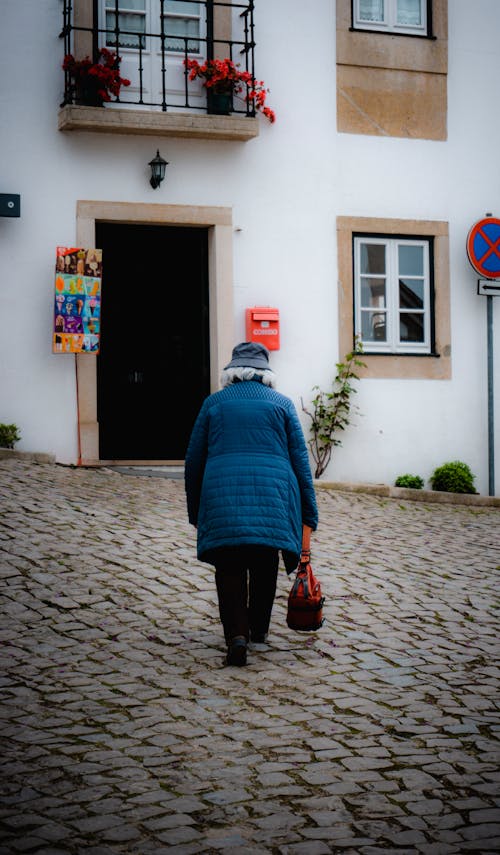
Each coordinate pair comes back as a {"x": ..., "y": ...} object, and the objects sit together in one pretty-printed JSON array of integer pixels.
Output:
[{"x": 155, "y": 39}]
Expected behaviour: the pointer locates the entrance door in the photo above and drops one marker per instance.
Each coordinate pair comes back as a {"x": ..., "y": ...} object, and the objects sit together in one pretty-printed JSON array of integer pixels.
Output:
[{"x": 153, "y": 369}]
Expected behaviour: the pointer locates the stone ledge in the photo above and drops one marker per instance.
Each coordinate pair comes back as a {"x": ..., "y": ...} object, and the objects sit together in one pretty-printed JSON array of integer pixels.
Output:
[
  {"x": 33, "y": 456},
  {"x": 435, "y": 496},
  {"x": 384, "y": 490},
  {"x": 73, "y": 117}
]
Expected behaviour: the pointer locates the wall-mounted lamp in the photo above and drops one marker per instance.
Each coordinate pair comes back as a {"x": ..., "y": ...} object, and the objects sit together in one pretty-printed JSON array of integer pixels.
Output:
[{"x": 158, "y": 166}]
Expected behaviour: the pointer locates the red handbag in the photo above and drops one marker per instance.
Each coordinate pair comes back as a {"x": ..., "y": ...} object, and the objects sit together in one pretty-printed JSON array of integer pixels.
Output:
[{"x": 305, "y": 600}]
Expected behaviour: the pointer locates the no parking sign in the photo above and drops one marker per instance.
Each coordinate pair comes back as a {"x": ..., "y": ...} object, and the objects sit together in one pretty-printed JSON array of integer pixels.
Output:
[{"x": 483, "y": 250}]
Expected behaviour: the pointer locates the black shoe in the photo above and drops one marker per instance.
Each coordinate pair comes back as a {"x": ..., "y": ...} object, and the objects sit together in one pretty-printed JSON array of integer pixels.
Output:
[
  {"x": 237, "y": 651},
  {"x": 258, "y": 637}
]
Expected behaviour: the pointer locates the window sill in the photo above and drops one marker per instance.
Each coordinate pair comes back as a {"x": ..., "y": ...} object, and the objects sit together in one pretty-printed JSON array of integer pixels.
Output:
[
  {"x": 408, "y": 366},
  {"x": 406, "y": 355},
  {"x": 74, "y": 117},
  {"x": 393, "y": 33}
]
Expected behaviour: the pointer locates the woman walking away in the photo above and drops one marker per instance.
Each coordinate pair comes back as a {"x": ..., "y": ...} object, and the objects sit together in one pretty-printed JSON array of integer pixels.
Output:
[{"x": 249, "y": 492}]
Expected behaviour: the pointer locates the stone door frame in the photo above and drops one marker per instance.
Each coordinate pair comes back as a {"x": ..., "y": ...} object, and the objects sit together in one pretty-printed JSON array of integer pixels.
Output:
[{"x": 218, "y": 220}]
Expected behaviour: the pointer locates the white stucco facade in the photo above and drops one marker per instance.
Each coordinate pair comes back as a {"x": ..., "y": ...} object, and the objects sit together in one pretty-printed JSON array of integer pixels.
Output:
[{"x": 286, "y": 189}]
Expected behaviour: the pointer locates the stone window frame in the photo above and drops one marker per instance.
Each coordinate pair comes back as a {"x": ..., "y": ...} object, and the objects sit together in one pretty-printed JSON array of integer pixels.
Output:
[
  {"x": 392, "y": 84},
  {"x": 434, "y": 366}
]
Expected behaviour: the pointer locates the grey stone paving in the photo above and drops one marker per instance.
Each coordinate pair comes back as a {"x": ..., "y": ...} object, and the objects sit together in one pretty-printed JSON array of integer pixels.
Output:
[{"x": 123, "y": 732}]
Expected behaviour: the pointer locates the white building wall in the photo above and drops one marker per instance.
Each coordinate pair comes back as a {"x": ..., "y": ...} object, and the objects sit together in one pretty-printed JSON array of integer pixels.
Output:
[
  {"x": 286, "y": 189},
  {"x": 415, "y": 425}
]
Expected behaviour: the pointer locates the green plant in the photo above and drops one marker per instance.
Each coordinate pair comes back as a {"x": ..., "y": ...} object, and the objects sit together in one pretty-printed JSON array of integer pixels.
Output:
[
  {"x": 454, "y": 477},
  {"x": 331, "y": 410},
  {"x": 9, "y": 435},
  {"x": 413, "y": 482}
]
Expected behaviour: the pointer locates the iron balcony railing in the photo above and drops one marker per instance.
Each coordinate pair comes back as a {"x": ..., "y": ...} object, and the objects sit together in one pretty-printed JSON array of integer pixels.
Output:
[{"x": 154, "y": 39}]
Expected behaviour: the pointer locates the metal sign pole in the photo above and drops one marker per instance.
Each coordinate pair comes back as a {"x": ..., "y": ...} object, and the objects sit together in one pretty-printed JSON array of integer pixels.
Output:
[
  {"x": 491, "y": 416},
  {"x": 483, "y": 252}
]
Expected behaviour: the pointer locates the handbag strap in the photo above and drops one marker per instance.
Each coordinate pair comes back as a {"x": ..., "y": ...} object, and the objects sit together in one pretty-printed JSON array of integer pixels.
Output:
[
  {"x": 305, "y": 553},
  {"x": 301, "y": 579}
]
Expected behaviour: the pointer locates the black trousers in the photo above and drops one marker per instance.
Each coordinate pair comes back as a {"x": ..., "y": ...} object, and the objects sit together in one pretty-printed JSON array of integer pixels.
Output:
[{"x": 245, "y": 577}]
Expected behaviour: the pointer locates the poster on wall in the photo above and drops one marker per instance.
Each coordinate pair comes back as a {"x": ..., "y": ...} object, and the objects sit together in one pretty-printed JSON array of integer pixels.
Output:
[{"x": 77, "y": 305}]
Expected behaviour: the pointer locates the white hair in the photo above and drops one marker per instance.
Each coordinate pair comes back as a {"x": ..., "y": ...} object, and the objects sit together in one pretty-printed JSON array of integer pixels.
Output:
[{"x": 234, "y": 375}]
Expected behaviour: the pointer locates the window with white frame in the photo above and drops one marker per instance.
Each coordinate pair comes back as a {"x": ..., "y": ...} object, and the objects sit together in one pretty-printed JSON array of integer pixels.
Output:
[
  {"x": 391, "y": 16},
  {"x": 181, "y": 23},
  {"x": 138, "y": 26},
  {"x": 392, "y": 294}
]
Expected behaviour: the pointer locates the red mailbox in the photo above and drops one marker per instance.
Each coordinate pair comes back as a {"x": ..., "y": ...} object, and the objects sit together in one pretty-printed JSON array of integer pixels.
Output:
[{"x": 263, "y": 325}]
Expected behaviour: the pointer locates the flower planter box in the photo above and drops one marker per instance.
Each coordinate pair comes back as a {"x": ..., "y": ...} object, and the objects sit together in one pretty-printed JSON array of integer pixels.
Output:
[{"x": 219, "y": 103}]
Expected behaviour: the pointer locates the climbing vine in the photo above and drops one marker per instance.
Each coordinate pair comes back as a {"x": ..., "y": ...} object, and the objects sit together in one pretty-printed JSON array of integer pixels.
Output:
[{"x": 331, "y": 411}]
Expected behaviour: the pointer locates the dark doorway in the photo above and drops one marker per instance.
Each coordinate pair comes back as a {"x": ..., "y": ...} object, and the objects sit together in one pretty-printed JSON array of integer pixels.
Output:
[{"x": 153, "y": 368}]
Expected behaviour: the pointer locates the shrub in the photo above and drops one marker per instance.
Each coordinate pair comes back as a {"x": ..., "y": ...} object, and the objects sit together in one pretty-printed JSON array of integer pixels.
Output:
[
  {"x": 9, "y": 435},
  {"x": 454, "y": 477},
  {"x": 414, "y": 482}
]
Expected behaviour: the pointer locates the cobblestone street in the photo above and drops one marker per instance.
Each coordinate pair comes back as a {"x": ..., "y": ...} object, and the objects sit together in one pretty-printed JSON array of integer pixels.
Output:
[{"x": 123, "y": 732}]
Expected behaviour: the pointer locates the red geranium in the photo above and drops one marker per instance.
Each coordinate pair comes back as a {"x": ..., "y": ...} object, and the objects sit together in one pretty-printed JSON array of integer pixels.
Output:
[
  {"x": 104, "y": 74},
  {"x": 224, "y": 76}
]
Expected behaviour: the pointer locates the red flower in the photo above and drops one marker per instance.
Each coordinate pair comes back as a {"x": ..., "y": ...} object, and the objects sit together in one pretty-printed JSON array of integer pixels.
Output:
[
  {"x": 104, "y": 73},
  {"x": 224, "y": 76}
]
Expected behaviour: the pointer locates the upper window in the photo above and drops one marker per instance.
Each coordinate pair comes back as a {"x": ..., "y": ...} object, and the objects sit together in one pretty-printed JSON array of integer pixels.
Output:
[
  {"x": 392, "y": 299},
  {"x": 391, "y": 16},
  {"x": 153, "y": 38},
  {"x": 181, "y": 24}
]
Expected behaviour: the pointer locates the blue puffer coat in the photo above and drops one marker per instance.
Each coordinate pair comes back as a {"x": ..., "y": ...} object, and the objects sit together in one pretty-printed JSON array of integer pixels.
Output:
[{"x": 248, "y": 479}]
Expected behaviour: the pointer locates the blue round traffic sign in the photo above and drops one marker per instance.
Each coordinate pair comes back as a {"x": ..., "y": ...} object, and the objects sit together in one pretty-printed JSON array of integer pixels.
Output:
[{"x": 483, "y": 247}]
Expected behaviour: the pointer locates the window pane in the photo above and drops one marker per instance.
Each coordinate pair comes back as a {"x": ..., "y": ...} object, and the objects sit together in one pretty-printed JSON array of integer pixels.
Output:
[
  {"x": 371, "y": 10},
  {"x": 411, "y": 260},
  {"x": 178, "y": 7},
  {"x": 182, "y": 20},
  {"x": 373, "y": 326},
  {"x": 182, "y": 27},
  {"x": 130, "y": 5},
  {"x": 372, "y": 258},
  {"x": 392, "y": 293},
  {"x": 411, "y": 327},
  {"x": 409, "y": 13},
  {"x": 373, "y": 293},
  {"x": 128, "y": 24},
  {"x": 411, "y": 293}
]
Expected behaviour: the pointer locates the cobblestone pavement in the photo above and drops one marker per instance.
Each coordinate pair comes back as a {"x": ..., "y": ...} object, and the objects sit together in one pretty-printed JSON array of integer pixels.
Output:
[{"x": 123, "y": 732}]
